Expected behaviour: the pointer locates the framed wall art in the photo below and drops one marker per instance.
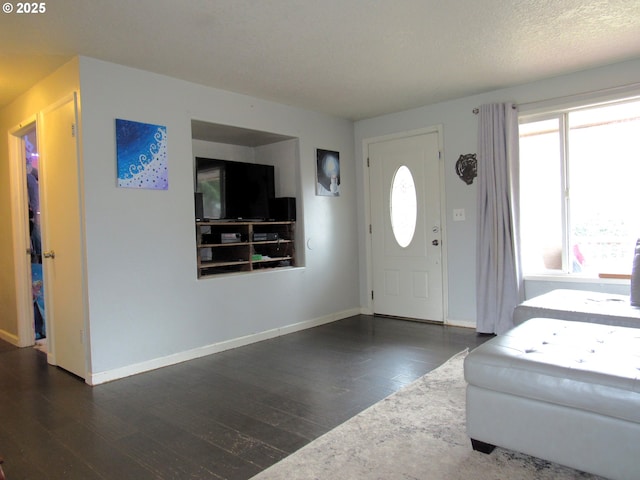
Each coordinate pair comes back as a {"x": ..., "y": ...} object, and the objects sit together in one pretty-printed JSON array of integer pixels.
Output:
[
  {"x": 327, "y": 173},
  {"x": 141, "y": 150}
]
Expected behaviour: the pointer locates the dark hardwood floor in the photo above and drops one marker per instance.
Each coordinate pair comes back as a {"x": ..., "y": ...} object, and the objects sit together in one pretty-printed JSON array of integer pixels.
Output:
[{"x": 225, "y": 416}]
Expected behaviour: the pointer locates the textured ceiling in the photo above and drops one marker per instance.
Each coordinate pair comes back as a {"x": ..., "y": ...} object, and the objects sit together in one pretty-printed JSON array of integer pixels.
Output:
[{"x": 351, "y": 58}]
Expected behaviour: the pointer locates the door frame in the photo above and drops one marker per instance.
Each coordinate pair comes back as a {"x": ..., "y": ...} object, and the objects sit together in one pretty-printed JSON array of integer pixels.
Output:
[{"x": 438, "y": 129}]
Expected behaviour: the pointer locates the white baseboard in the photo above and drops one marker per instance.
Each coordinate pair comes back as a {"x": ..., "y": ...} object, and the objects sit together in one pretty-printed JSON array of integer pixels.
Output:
[
  {"x": 129, "y": 370},
  {"x": 10, "y": 337},
  {"x": 460, "y": 323},
  {"x": 448, "y": 321}
]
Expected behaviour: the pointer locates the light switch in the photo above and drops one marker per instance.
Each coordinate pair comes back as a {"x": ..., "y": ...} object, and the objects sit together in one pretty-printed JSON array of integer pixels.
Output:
[{"x": 458, "y": 215}]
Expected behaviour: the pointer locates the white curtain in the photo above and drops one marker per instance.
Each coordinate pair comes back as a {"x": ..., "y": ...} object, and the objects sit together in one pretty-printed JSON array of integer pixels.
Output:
[{"x": 498, "y": 273}]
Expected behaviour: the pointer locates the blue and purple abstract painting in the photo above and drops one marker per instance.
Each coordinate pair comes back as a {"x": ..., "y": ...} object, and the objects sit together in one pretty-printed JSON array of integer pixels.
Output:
[{"x": 142, "y": 155}]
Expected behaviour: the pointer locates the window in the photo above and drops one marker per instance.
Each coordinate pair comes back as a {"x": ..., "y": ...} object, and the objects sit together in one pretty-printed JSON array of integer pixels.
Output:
[
  {"x": 404, "y": 206},
  {"x": 579, "y": 174}
]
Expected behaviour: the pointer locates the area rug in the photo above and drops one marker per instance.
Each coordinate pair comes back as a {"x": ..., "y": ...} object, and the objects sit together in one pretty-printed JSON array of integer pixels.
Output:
[{"x": 416, "y": 433}]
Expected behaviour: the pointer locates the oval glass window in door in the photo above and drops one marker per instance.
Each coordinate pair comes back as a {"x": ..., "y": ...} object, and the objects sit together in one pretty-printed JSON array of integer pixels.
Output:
[{"x": 404, "y": 206}]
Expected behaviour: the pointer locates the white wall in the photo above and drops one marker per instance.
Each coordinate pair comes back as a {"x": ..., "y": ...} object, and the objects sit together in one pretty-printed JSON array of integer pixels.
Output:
[
  {"x": 460, "y": 137},
  {"x": 223, "y": 151},
  {"x": 147, "y": 307}
]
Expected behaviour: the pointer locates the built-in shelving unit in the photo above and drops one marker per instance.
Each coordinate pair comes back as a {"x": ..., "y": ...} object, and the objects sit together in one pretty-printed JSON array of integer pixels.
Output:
[{"x": 244, "y": 246}]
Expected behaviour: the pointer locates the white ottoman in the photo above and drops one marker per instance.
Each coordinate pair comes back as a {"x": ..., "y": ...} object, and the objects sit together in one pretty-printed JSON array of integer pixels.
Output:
[{"x": 564, "y": 391}]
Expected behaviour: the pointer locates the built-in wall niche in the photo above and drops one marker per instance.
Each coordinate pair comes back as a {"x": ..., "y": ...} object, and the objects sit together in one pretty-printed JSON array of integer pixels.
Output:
[
  {"x": 225, "y": 142},
  {"x": 237, "y": 144}
]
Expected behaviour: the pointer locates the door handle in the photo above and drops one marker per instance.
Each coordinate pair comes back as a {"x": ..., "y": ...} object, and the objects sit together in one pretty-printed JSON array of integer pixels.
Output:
[
  {"x": 435, "y": 243},
  {"x": 50, "y": 254}
]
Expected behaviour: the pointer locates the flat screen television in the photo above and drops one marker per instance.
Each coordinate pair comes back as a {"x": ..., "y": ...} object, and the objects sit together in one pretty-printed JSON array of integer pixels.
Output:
[{"x": 234, "y": 190}]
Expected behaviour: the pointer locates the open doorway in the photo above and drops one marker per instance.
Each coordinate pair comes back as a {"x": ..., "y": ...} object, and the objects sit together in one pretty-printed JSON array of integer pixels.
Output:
[{"x": 32, "y": 179}]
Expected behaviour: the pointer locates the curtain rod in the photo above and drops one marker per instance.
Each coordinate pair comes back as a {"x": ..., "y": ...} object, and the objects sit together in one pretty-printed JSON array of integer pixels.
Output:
[
  {"x": 477, "y": 110},
  {"x": 620, "y": 88}
]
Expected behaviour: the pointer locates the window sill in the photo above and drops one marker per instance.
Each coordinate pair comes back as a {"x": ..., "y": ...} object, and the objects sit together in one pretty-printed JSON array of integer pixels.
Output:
[
  {"x": 619, "y": 276},
  {"x": 559, "y": 277}
]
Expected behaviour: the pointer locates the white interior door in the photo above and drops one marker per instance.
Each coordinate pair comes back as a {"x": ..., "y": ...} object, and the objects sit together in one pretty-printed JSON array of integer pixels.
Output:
[
  {"x": 62, "y": 238},
  {"x": 406, "y": 227}
]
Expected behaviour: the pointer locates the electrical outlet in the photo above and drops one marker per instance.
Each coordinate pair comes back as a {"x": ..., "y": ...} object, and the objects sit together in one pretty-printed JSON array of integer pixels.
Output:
[{"x": 458, "y": 215}]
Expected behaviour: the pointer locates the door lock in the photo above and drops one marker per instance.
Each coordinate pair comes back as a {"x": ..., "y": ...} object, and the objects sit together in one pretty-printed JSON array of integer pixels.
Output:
[{"x": 49, "y": 254}]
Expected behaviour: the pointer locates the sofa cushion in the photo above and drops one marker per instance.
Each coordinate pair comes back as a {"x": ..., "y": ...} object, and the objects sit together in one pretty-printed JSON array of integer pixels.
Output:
[
  {"x": 581, "y": 306},
  {"x": 587, "y": 366}
]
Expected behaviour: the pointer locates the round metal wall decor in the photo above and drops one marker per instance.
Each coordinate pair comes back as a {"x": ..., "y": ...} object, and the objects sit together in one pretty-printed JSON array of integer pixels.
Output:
[{"x": 467, "y": 167}]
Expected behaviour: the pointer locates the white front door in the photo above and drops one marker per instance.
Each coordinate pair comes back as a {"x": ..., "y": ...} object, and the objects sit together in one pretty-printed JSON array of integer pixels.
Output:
[
  {"x": 62, "y": 246},
  {"x": 406, "y": 227}
]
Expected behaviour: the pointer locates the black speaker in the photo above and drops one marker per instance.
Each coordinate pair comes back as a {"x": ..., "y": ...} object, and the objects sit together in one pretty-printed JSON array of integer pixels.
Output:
[
  {"x": 199, "y": 206},
  {"x": 283, "y": 208}
]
